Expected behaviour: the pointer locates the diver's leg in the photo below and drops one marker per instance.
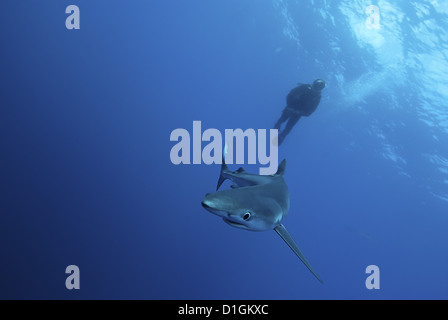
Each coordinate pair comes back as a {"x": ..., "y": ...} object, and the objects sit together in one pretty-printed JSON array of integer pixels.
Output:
[
  {"x": 289, "y": 125},
  {"x": 283, "y": 118}
]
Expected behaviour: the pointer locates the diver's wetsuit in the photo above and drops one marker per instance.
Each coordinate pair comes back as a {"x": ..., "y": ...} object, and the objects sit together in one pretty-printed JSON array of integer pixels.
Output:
[{"x": 301, "y": 101}]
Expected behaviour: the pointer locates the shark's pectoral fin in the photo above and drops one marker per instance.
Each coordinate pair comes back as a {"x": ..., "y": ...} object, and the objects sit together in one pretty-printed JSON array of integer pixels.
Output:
[
  {"x": 224, "y": 170},
  {"x": 284, "y": 234}
]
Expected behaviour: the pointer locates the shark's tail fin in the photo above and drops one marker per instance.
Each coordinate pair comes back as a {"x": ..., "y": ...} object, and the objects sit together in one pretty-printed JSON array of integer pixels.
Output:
[
  {"x": 224, "y": 169},
  {"x": 281, "y": 168}
]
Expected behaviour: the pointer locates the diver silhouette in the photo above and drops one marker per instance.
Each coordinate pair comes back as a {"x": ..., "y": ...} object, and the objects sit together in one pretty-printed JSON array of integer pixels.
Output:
[{"x": 301, "y": 101}]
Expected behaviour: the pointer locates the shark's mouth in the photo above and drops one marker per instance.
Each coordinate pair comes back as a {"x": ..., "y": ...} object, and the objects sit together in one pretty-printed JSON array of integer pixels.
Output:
[{"x": 234, "y": 224}]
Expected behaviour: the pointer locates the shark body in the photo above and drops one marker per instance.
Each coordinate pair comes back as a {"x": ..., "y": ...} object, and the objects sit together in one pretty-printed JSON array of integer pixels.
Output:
[{"x": 255, "y": 203}]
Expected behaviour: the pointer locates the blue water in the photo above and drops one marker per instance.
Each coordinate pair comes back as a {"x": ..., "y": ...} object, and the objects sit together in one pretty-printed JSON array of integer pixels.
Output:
[{"x": 86, "y": 178}]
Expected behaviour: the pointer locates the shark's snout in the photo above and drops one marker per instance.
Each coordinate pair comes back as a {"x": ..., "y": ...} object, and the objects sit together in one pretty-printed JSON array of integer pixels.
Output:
[
  {"x": 206, "y": 204},
  {"x": 211, "y": 205}
]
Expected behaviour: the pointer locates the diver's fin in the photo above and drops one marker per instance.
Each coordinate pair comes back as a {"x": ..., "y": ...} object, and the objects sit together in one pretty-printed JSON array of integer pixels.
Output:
[
  {"x": 281, "y": 168},
  {"x": 284, "y": 234}
]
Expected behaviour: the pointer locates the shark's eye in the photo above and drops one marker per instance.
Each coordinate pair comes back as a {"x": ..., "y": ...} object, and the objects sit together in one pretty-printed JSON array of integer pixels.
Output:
[{"x": 247, "y": 216}]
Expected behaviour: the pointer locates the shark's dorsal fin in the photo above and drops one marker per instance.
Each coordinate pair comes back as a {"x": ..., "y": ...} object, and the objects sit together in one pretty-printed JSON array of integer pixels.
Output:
[
  {"x": 281, "y": 168},
  {"x": 241, "y": 170},
  {"x": 284, "y": 234}
]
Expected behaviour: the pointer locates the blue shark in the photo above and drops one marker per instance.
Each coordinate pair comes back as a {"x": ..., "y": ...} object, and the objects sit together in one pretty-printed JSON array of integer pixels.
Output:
[{"x": 255, "y": 203}]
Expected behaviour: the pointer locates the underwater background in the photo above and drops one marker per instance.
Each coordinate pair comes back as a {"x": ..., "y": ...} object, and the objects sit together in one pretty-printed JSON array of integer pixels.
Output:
[{"x": 86, "y": 177}]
